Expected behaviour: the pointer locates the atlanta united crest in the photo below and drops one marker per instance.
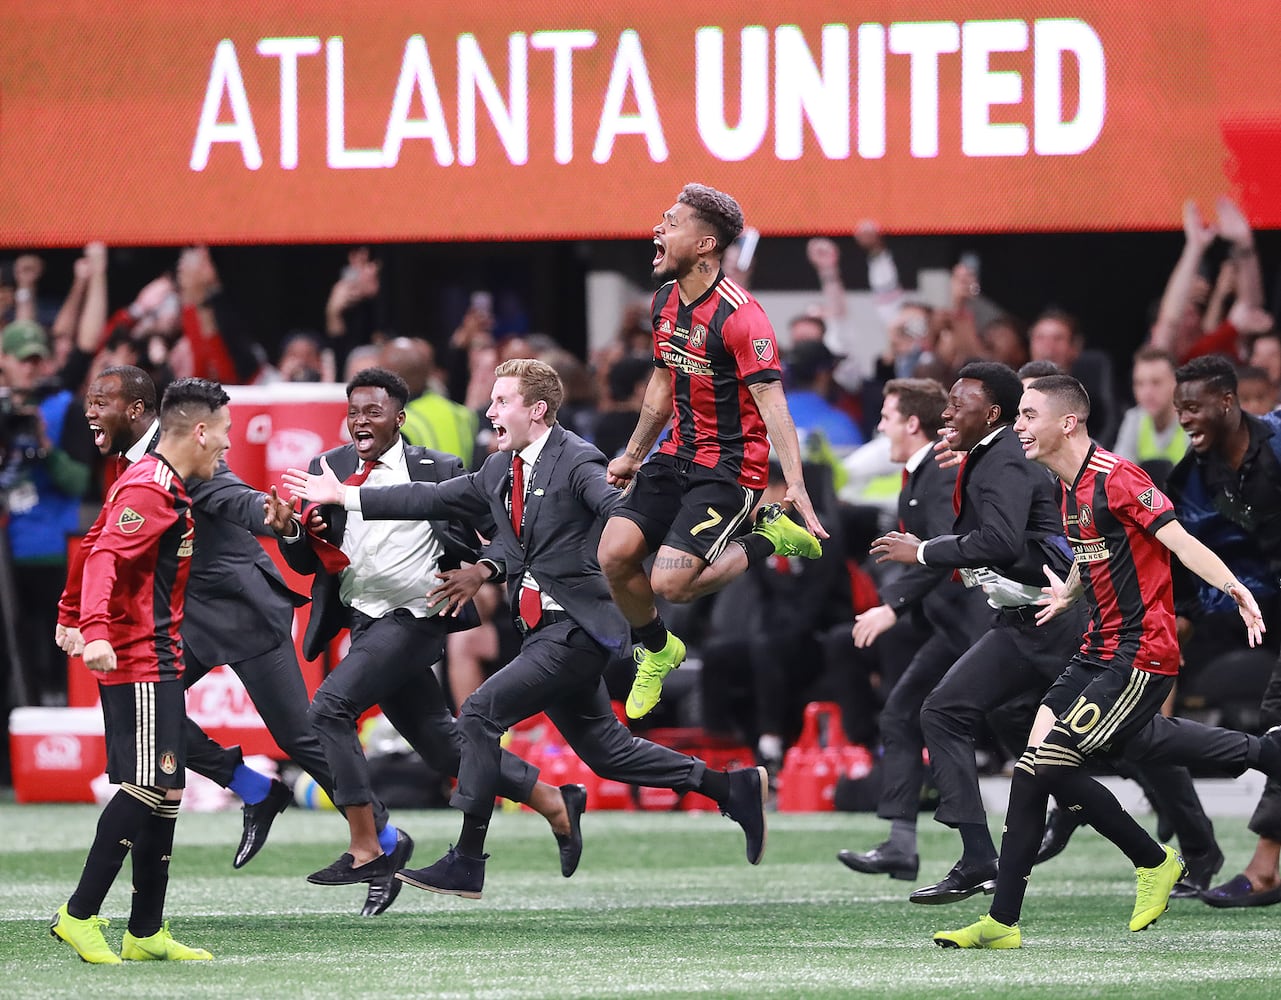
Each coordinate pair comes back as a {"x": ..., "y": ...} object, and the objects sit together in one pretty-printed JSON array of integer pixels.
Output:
[
  {"x": 698, "y": 337},
  {"x": 168, "y": 762}
]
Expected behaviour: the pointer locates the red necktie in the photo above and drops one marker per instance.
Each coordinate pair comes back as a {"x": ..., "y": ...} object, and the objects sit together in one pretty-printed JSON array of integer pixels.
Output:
[
  {"x": 330, "y": 555},
  {"x": 530, "y": 602},
  {"x": 901, "y": 487},
  {"x": 956, "y": 490}
]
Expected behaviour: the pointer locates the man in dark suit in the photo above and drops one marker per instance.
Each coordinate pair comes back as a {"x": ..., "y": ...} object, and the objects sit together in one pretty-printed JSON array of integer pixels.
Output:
[
  {"x": 239, "y": 609},
  {"x": 1007, "y": 526},
  {"x": 953, "y": 618},
  {"x": 540, "y": 499},
  {"x": 383, "y": 579}
]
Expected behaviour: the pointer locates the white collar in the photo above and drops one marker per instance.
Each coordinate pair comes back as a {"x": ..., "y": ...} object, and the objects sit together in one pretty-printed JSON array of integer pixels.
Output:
[
  {"x": 143, "y": 444},
  {"x": 990, "y": 437},
  {"x": 393, "y": 457},
  {"x": 918, "y": 457},
  {"x": 529, "y": 454}
]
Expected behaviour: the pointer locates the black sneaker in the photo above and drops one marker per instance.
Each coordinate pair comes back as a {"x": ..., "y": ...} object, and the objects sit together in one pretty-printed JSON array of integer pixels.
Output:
[
  {"x": 748, "y": 790},
  {"x": 454, "y": 875}
]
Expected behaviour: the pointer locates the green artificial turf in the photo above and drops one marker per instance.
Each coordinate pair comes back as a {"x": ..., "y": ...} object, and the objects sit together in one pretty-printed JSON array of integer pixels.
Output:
[{"x": 663, "y": 905}]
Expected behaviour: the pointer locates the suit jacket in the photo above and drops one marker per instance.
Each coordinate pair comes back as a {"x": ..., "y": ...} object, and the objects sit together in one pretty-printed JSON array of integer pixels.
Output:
[
  {"x": 566, "y": 499},
  {"x": 238, "y": 604},
  {"x": 925, "y": 510},
  {"x": 1010, "y": 519},
  {"x": 329, "y": 615}
]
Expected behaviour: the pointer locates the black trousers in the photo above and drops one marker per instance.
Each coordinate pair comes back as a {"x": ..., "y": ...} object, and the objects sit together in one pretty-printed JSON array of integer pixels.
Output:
[
  {"x": 558, "y": 671},
  {"x": 1266, "y": 821},
  {"x": 273, "y": 681},
  {"x": 389, "y": 664},
  {"x": 1013, "y": 658},
  {"x": 901, "y": 734}
]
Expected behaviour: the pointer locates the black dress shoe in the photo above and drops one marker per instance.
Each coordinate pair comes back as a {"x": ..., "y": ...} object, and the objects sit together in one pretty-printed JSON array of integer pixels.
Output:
[
  {"x": 884, "y": 859},
  {"x": 1059, "y": 827},
  {"x": 748, "y": 789},
  {"x": 345, "y": 871},
  {"x": 258, "y": 820},
  {"x": 384, "y": 889},
  {"x": 1238, "y": 891},
  {"x": 454, "y": 875},
  {"x": 1201, "y": 867},
  {"x": 571, "y": 844},
  {"x": 960, "y": 883}
]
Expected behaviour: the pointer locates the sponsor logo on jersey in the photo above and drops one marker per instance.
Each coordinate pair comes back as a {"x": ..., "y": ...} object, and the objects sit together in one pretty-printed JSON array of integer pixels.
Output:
[
  {"x": 680, "y": 359},
  {"x": 764, "y": 348},
  {"x": 130, "y": 521},
  {"x": 188, "y": 540},
  {"x": 1090, "y": 550}
]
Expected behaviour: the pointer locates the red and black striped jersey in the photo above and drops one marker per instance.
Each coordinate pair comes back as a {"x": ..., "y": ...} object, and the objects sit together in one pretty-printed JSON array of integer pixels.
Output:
[
  {"x": 135, "y": 576},
  {"x": 1111, "y": 514},
  {"x": 716, "y": 348}
]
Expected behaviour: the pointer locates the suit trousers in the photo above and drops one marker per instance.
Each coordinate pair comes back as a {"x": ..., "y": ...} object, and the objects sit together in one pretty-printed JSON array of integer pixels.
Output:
[
  {"x": 274, "y": 684},
  {"x": 901, "y": 734},
  {"x": 558, "y": 671},
  {"x": 1013, "y": 658},
  {"x": 1266, "y": 821},
  {"x": 389, "y": 664}
]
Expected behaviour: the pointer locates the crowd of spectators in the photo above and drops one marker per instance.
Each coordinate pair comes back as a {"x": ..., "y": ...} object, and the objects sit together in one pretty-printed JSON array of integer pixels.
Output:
[{"x": 797, "y": 646}]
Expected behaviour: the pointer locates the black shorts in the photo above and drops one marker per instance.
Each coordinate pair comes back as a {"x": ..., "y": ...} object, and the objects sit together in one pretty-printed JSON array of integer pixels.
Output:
[
  {"x": 686, "y": 506},
  {"x": 1100, "y": 705},
  {"x": 143, "y": 722}
]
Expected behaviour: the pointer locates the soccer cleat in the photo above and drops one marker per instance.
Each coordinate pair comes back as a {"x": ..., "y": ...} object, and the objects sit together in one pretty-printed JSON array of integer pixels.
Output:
[
  {"x": 1152, "y": 889},
  {"x": 651, "y": 668},
  {"x": 987, "y": 933},
  {"x": 160, "y": 947},
  {"x": 85, "y": 936},
  {"x": 258, "y": 819},
  {"x": 789, "y": 538}
]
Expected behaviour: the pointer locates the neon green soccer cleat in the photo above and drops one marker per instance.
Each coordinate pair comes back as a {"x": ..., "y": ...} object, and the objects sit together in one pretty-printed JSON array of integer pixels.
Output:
[
  {"x": 987, "y": 933},
  {"x": 85, "y": 936},
  {"x": 651, "y": 668},
  {"x": 789, "y": 538},
  {"x": 160, "y": 947},
  {"x": 1152, "y": 888}
]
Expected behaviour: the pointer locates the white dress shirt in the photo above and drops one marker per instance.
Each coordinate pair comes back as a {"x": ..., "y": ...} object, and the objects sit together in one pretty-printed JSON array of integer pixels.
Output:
[{"x": 393, "y": 563}]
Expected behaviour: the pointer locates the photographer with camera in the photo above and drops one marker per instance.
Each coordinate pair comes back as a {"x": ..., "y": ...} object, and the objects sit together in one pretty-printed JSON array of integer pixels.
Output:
[{"x": 46, "y": 455}]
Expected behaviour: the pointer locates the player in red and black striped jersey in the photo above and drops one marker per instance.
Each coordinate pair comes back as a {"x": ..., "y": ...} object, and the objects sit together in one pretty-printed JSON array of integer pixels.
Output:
[
  {"x": 133, "y": 591},
  {"x": 1122, "y": 531},
  {"x": 718, "y": 391}
]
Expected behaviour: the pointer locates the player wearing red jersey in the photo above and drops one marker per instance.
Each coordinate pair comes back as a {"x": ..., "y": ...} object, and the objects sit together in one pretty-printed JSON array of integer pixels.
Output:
[
  {"x": 134, "y": 587},
  {"x": 1122, "y": 531},
  {"x": 718, "y": 390}
]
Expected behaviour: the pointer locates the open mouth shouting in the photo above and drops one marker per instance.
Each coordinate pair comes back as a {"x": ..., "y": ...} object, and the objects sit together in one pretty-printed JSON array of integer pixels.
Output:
[
  {"x": 365, "y": 444},
  {"x": 660, "y": 252}
]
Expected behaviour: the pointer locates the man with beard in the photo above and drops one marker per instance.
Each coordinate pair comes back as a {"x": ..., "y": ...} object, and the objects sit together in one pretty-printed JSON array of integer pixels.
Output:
[
  {"x": 717, "y": 389},
  {"x": 1227, "y": 492}
]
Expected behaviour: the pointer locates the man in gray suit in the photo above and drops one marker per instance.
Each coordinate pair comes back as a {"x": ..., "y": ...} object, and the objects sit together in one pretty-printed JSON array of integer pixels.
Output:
[
  {"x": 400, "y": 589},
  {"x": 540, "y": 500},
  {"x": 239, "y": 609}
]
